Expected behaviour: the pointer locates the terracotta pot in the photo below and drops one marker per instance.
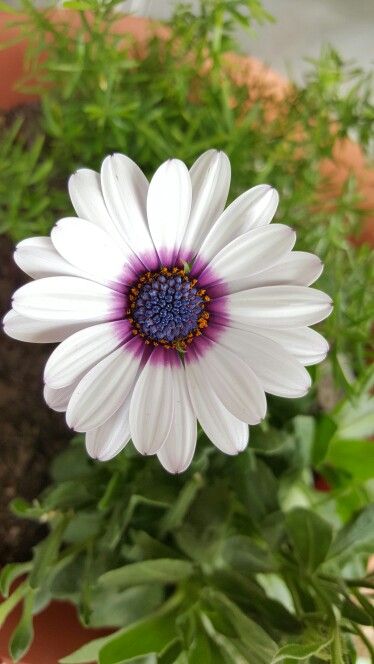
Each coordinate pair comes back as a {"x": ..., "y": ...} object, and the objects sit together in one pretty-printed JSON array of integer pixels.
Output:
[
  {"x": 57, "y": 633},
  {"x": 57, "y": 630}
]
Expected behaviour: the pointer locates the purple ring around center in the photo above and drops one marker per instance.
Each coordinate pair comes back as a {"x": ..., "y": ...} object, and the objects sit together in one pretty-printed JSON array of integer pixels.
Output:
[{"x": 217, "y": 308}]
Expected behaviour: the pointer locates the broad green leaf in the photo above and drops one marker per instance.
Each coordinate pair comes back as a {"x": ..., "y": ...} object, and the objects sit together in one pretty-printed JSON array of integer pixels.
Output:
[
  {"x": 72, "y": 463},
  {"x": 270, "y": 442},
  {"x": 164, "y": 570},
  {"x": 23, "y": 634},
  {"x": 356, "y": 537},
  {"x": 356, "y": 418},
  {"x": 82, "y": 526},
  {"x": 149, "y": 636},
  {"x": 300, "y": 651},
  {"x": 256, "y": 487},
  {"x": 324, "y": 432},
  {"x": 87, "y": 653},
  {"x": 201, "y": 534},
  {"x": 311, "y": 536},
  {"x": 10, "y": 573},
  {"x": 253, "y": 636},
  {"x": 145, "y": 547},
  {"x": 245, "y": 556},
  {"x": 120, "y": 608},
  {"x": 148, "y": 659},
  {"x": 227, "y": 648},
  {"x": 356, "y": 457}
]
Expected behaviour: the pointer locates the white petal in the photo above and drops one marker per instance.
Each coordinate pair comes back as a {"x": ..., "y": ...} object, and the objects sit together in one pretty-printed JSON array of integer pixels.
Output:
[
  {"x": 235, "y": 384},
  {"x": 104, "y": 388},
  {"x": 299, "y": 268},
  {"x": 277, "y": 370},
  {"x": 152, "y": 403},
  {"x": 178, "y": 449},
  {"x": 307, "y": 345},
  {"x": 67, "y": 299},
  {"x": 38, "y": 258},
  {"x": 250, "y": 253},
  {"x": 125, "y": 190},
  {"x": 256, "y": 207},
  {"x": 90, "y": 249},
  {"x": 279, "y": 306},
  {"x": 226, "y": 432},
  {"x": 107, "y": 441},
  {"x": 210, "y": 178},
  {"x": 79, "y": 352},
  {"x": 36, "y": 331},
  {"x": 58, "y": 399},
  {"x": 88, "y": 201},
  {"x": 168, "y": 207}
]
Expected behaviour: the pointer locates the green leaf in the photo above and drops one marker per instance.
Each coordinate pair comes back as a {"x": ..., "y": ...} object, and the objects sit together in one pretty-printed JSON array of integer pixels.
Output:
[
  {"x": 78, "y": 5},
  {"x": 11, "y": 602},
  {"x": 356, "y": 537},
  {"x": 256, "y": 487},
  {"x": 10, "y": 573},
  {"x": 300, "y": 651},
  {"x": 23, "y": 634},
  {"x": 120, "y": 608},
  {"x": 304, "y": 427},
  {"x": 355, "y": 613},
  {"x": 24, "y": 510},
  {"x": 164, "y": 570},
  {"x": 356, "y": 418},
  {"x": 311, "y": 536},
  {"x": 46, "y": 553},
  {"x": 253, "y": 636},
  {"x": 245, "y": 556},
  {"x": 87, "y": 653},
  {"x": 356, "y": 457},
  {"x": 84, "y": 525},
  {"x": 177, "y": 512},
  {"x": 148, "y": 659},
  {"x": 149, "y": 636},
  {"x": 325, "y": 430}
]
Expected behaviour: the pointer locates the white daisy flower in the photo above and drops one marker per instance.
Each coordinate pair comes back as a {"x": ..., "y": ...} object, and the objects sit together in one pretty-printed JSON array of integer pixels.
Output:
[{"x": 169, "y": 309}]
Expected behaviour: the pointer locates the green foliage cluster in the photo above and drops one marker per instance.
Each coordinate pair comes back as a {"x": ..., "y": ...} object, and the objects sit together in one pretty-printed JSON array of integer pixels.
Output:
[{"x": 240, "y": 559}]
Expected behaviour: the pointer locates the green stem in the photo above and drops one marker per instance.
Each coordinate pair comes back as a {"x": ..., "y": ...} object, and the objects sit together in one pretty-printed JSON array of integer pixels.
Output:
[{"x": 12, "y": 601}]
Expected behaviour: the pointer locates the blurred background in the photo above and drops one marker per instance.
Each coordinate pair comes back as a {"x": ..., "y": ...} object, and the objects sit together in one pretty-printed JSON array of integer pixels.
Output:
[{"x": 300, "y": 30}]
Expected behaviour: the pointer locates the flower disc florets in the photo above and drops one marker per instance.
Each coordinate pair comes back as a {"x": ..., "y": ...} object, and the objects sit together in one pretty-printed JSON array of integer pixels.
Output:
[{"x": 168, "y": 308}]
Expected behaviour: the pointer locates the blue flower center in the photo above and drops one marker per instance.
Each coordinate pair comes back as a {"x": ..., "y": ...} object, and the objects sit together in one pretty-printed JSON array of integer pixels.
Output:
[{"x": 168, "y": 308}]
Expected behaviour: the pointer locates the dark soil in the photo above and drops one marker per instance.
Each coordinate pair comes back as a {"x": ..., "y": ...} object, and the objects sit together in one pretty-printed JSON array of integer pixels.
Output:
[{"x": 30, "y": 433}]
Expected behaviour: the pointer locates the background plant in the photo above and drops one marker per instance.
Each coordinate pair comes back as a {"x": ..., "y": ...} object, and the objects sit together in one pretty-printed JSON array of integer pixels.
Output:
[{"x": 239, "y": 560}]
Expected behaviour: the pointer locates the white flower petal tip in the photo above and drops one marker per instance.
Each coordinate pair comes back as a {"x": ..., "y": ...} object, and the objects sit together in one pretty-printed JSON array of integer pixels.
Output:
[
  {"x": 152, "y": 272},
  {"x": 253, "y": 209},
  {"x": 178, "y": 449},
  {"x": 108, "y": 440},
  {"x": 210, "y": 178}
]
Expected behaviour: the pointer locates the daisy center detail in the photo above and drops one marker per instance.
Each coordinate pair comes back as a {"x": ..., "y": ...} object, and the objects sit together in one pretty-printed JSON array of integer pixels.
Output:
[{"x": 168, "y": 308}]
